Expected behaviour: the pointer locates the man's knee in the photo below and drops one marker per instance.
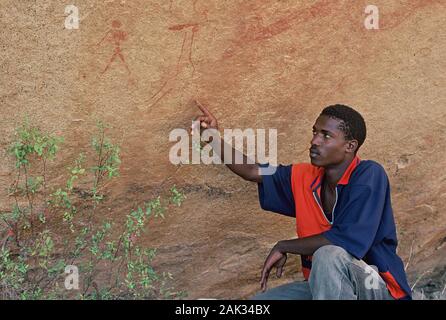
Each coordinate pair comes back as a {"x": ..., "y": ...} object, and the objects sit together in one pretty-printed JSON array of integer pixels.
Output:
[{"x": 329, "y": 255}]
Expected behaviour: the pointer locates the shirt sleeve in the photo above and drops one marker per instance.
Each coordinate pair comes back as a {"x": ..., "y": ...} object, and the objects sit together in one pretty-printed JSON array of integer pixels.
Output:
[
  {"x": 275, "y": 193},
  {"x": 355, "y": 226}
]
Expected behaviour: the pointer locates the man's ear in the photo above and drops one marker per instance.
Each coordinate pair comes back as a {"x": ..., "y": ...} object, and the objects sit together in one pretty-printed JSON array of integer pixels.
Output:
[{"x": 352, "y": 146}]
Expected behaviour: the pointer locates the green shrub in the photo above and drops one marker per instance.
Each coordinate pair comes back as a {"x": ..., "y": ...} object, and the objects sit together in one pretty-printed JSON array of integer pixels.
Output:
[{"x": 52, "y": 227}]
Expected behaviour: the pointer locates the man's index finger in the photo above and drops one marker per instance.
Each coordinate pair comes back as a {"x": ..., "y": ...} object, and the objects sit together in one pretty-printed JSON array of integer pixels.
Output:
[{"x": 203, "y": 109}]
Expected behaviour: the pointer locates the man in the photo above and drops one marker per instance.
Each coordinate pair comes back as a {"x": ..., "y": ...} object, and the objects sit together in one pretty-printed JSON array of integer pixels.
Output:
[{"x": 344, "y": 220}]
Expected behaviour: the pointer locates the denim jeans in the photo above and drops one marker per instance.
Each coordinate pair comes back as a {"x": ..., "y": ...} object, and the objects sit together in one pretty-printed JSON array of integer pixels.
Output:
[{"x": 335, "y": 275}]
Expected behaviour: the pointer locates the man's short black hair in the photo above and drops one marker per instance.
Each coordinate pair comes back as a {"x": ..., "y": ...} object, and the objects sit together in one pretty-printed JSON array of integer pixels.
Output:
[{"x": 352, "y": 123}]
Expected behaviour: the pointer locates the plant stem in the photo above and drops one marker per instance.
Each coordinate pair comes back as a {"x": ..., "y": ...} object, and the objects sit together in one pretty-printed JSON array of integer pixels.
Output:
[{"x": 30, "y": 202}]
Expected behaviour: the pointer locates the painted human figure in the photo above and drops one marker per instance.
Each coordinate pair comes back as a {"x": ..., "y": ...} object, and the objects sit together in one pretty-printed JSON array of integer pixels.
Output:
[
  {"x": 184, "y": 60},
  {"x": 116, "y": 36},
  {"x": 185, "y": 68}
]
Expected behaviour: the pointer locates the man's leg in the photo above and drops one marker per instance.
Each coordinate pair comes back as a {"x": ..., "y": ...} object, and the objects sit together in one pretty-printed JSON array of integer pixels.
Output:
[
  {"x": 298, "y": 290},
  {"x": 335, "y": 274}
]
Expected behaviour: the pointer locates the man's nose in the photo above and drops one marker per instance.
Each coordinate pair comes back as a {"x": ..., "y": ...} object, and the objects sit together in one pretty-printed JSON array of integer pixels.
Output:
[{"x": 315, "y": 141}]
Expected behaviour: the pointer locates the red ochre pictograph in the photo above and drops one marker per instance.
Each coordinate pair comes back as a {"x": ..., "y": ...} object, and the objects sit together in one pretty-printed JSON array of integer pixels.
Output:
[
  {"x": 185, "y": 58},
  {"x": 116, "y": 36}
]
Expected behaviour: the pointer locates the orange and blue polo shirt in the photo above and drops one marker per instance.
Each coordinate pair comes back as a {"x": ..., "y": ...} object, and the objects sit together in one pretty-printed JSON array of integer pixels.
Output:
[{"x": 361, "y": 222}]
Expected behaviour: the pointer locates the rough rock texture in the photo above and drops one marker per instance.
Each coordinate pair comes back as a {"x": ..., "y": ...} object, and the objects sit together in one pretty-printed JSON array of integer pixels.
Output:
[{"x": 257, "y": 64}]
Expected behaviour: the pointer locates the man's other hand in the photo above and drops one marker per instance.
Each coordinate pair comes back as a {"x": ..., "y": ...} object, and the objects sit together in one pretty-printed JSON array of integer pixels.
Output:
[{"x": 275, "y": 259}]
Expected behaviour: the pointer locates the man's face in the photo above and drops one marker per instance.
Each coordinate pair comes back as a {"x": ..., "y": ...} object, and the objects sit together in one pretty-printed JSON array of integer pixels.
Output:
[{"x": 328, "y": 145}]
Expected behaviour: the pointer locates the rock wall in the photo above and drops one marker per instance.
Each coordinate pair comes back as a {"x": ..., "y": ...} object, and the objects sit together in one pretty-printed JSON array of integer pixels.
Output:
[{"x": 257, "y": 64}]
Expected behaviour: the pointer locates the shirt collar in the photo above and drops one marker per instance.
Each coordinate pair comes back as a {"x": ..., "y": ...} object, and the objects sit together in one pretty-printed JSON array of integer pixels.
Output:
[{"x": 345, "y": 177}]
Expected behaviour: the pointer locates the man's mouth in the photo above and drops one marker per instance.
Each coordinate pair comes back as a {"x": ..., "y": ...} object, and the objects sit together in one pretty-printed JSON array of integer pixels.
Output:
[{"x": 314, "y": 153}]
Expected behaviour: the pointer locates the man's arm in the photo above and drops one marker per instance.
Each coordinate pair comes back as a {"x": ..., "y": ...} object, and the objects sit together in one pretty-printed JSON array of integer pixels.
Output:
[
  {"x": 306, "y": 246},
  {"x": 249, "y": 172},
  {"x": 278, "y": 255}
]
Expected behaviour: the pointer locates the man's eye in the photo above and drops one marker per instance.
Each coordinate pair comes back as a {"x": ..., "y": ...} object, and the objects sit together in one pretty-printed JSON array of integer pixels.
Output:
[
  {"x": 314, "y": 132},
  {"x": 327, "y": 136}
]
